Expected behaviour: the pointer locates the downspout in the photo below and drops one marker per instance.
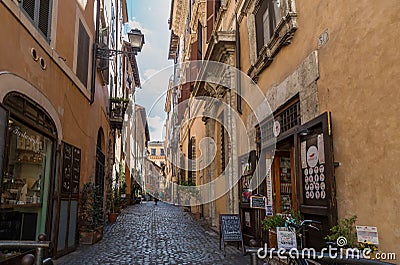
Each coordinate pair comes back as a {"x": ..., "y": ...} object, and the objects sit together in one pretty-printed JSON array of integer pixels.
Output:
[{"x": 94, "y": 54}]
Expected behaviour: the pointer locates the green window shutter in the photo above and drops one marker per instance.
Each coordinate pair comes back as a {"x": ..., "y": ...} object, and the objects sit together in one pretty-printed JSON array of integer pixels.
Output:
[
  {"x": 44, "y": 17},
  {"x": 29, "y": 7}
]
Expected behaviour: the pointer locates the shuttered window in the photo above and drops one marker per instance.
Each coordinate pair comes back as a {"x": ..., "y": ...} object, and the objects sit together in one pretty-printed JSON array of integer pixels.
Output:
[
  {"x": 82, "y": 67},
  {"x": 213, "y": 7},
  {"x": 39, "y": 12},
  {"x": 267, "y": 18},
  {"x": 199, "y": 41}
]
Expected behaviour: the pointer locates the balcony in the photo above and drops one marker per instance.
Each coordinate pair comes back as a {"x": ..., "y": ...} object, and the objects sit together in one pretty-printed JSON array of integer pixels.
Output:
[{"x": 118, "y": 107}]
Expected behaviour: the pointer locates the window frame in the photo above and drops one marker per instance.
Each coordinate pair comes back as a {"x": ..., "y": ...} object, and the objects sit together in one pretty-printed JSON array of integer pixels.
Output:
[
  {"x": 284, "y": 30},
  {"x": 36, "y": 17},
  {"x": 80, "y": 18}
]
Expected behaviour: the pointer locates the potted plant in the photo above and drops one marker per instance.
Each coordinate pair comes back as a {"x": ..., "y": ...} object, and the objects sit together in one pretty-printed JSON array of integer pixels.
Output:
[
  {"x": 112, "y": 216},
  {"x": 91, "y": 214},
  {"x": 344, "y": 234},
  {"x": 270, "y": 224}
]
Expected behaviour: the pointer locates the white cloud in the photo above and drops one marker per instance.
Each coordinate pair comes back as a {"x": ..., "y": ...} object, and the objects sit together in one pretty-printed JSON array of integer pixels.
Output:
[
  {"x": 134, "y": 24},
  {"x": 156, "y": 127}
]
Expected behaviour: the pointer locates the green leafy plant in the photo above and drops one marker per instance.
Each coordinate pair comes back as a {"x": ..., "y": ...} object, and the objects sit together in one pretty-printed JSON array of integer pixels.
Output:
[
  {"x": 91, "y": 207},
  {"x": 345, "y": 228},
  {"x": 273, "y": 222}
]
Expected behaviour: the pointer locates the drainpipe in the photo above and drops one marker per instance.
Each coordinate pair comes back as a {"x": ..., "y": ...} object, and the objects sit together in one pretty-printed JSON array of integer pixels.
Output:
[{"x": 94, "y": 54}]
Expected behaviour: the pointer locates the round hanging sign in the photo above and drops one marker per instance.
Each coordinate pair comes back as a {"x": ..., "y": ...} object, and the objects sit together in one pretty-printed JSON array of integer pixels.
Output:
[{"x": 277, "y": 128}]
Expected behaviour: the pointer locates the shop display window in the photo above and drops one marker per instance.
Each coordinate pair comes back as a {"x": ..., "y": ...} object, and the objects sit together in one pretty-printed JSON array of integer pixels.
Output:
[{"x": 26, "y": 178}]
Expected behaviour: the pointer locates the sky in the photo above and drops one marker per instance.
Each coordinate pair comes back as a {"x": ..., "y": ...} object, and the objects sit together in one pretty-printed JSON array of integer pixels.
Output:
[{"x": 151, "y": 17}]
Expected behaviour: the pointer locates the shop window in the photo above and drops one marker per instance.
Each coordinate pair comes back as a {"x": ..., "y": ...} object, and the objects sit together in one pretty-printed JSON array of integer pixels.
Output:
[
  {"x": 26, "y": 180},
  {"x": 39, "y": 12}
]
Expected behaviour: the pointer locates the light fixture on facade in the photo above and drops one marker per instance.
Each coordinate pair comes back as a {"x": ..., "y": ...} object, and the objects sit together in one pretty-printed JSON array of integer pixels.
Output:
[
  {"x": 305, "y": 132},
  {"x": 136, "y": 40}
]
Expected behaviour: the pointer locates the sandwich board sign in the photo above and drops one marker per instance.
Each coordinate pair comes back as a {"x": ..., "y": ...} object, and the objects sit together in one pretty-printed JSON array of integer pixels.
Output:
[{"x": 230, "y": 229}]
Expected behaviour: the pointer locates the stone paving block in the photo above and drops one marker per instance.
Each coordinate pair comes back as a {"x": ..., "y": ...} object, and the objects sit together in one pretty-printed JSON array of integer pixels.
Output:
[{"x": 155, "y": 234}]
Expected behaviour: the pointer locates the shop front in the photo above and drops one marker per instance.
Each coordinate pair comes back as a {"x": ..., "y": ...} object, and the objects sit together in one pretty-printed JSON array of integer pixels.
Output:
[
  {"x": 28, "y": 168},
  {"x": 295, "y": 162}
]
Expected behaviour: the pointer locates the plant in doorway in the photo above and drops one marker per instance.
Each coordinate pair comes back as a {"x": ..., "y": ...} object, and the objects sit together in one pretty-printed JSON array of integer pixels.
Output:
[
  {"x": 91, "y": 219},
  {"x": 115, "y": 206}
]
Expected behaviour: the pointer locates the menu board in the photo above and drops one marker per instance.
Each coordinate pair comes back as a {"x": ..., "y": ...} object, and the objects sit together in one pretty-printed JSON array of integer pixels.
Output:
[
  {"x": 76, "y": 170},
  {"x": 71, "y": 169},
  {"x": 230, "y": 228},
  {"x": 314, "y": 174},
  {"x": 257, "y": 202}
]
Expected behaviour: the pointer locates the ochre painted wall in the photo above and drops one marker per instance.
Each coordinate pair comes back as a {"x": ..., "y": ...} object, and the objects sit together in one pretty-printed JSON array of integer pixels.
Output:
[{"x": 358, "y": 81}]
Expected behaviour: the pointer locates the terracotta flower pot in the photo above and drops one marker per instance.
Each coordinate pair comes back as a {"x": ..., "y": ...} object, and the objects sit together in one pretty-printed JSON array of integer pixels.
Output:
[
  {"x": 112, "y": 217},
  {"x": 272, "y": 238}
]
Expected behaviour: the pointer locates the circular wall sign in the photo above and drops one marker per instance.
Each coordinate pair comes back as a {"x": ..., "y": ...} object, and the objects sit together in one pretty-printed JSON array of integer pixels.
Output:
[
  {"x": 277, "y": 128},
  {"x": 312, "y": 156}
]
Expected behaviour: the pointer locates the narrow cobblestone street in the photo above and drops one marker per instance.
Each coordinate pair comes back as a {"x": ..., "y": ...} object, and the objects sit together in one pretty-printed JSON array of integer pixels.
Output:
[{"x": 155, "y": 234}]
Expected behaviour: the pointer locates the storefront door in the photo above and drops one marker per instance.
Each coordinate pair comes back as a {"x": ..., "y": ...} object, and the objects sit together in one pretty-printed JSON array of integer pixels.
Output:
[
  {"x": 316, "y": 181},
  {"x": 68, "y": 205}
]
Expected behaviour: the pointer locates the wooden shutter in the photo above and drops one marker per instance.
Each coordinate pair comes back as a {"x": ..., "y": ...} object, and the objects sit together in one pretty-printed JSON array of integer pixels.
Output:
[
  {"x": 315, "y": 168},
  {"x": 44, "y": 16},
  {"x": 83, "y": 55},
  {"x": 199, "y": 41},
  {"x": 210, "y": 18}
]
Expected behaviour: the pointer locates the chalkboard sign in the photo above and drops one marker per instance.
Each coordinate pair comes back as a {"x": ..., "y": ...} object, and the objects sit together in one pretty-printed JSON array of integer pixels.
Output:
[
  {"x": 230, "y": 229},
  {"x": 76, "y": 170},
  {"x": 257, "y": 202},
  {"x": 3, "y": 133},
  {"x": 71, "y": 169}
]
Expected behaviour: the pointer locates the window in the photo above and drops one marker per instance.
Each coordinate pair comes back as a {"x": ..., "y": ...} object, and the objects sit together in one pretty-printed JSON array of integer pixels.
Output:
[
  {"x": 82, "y": 68},
  {"x": 153, "y": 151},
  {"x": 162, "y": 152},
  {"x": 272, "y": 24},
  {"x": 192, "y": 160},
  {"x": 39, "y": 12},
  {"x": 267, "y": 17},
  {"x": 199, "y": 41}
]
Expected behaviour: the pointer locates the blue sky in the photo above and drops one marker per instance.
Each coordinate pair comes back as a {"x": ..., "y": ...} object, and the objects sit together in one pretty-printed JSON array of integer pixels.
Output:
[{"x": 151, "y": 17}]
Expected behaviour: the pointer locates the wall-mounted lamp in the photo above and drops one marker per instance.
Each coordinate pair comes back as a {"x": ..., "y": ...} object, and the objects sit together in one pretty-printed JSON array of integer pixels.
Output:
[
  {"x": 136, "y": 40},
  {"x": 305, "y": 132}
]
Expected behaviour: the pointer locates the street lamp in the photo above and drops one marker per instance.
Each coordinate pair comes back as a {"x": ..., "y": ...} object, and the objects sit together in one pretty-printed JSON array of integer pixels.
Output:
[{"x": 136, "y": 41}]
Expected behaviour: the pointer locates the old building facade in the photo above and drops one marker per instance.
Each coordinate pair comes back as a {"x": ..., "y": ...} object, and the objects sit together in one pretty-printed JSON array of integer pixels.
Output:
[
  {"x": 55, "y": 91},
  {"x": 311, "y": 60}
]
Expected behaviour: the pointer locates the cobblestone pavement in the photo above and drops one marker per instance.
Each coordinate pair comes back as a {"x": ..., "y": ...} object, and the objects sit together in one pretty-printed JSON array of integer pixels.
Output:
[{"x": 155, "y": 234}]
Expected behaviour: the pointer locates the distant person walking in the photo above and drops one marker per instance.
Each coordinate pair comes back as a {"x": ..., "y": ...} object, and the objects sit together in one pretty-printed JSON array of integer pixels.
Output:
[{"x": 155, "y": 198}]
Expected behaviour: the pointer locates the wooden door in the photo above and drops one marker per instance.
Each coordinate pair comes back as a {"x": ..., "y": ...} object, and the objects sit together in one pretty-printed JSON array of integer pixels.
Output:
[
  {"x": 68, "y": 203},
  {"x": 316, "y": 181}
]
